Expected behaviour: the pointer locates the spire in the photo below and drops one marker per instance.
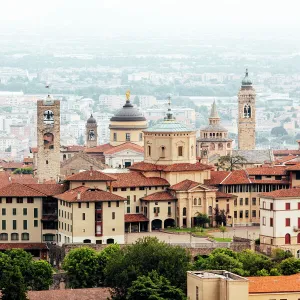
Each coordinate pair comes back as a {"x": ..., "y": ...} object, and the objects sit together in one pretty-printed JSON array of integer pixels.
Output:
[
  {"x": 246, "y": 81},
  {"x": 169, "y": 113},
  {"x": 128, "y": 104},
  {"x": 214, "y": 112}
]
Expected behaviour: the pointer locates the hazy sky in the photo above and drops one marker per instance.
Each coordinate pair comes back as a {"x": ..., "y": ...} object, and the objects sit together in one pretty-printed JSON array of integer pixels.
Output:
[{"x": 151, "y": 17}]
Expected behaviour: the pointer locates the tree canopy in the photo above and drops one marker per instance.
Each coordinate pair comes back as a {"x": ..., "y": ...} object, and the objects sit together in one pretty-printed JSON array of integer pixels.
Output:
[{"x": 231, "y": 162}]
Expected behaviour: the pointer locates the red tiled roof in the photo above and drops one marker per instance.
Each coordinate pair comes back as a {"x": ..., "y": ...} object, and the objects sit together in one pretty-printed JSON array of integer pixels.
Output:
[
  {"x": 26, "y": 246},
  {"x": 224, "y": 195},
  {"x": 279, "y": 170},
  {"x": 159, "y": 196},
  {"x": 274, "y": 284},
  {"x": 135, "y": 218},
  {"x": 74, "y": 294},
  {"x": 295, "y": 167},
  {"x": 135, "y": 179},
  {"x": 28, "y": 160},
  {"x": 12, "y": 165},
  {"x": 286, "y": 152},
  {"x": 99, "y": 149},
  {"x": 23, "y": 178},
  {"x": 74, "y": 148},
  {"x": 284, "y": 193},
  {"x": 180, "y": 167},
  {"x": 237, "y": 177},
  {"x": 86, "y": 194},
  {"x": 125, "y": 146},
  {"x": 19, "y": 190},
  {"x": 91, "y": 175},
  {"x": 216, "y": 177},
  {"x": 284, "y": 159},
  {"x": 184, "y": 185},
  {"x": 49, "y": 189},
  {"x": 269, "y": 181}
]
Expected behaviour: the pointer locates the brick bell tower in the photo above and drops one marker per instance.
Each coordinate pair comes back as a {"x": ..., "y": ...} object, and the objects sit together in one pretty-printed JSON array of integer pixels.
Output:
[
  {"x": 91, "y": 132},
  {"x": 48, "y": 139},
  {"x": 246, "y": 115}
]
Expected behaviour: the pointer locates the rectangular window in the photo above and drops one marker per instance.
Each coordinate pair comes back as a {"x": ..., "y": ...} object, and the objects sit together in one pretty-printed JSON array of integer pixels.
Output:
[
  {"x": 3, "y": 211},
  {"x": 264, "y": 221},
  {"x": 128, "y": 200},
  {"x": 298, "y": 205},
  {"x": 115, "y": 189},
  {"x": 35, "y": 213},
  {"x": 14, "y": 211},
  {"x": 241, "y": 201},
  {"x": 271, "y": 222},
  {"x": 241, "y": 214},
  {"x": 235, "y": 202},
  {"x": 169, "y": 211},
  {"x": 109, "y": 204},
  {"x": 113, "y": 215},
  {"x": 14, "y": 224},
  {"x": 132, "y": 188},
  {"x": 227, "y": 208},
  {"x": 297, "y": 175},
  {"x": 287, "y": 222},
  {"x": 19, "y": 200},
  {"x": 253, "y": 213},
  {"x": 25, "y": 224},
  {"x": 258, "y": 177},
  {"x": 123, "y": 189},
  {"x": 246, "y": 213},
  {"x": 9, "y": 200},
  {"x": 246, "y": 201},
  {"x": 30, "y": 200},
  {"x": 128, "y": 209},
  {"x": 235, "y": 214},
  {"x": 180, "y": 151},
  {"x": 36, "y": 223},
  {"x": 134, "y": 198},
  {"x": 287, "y": 206},
  {"x": 87, "y": 205},
  {"x": 115, "y": 136},
  {"x": 264, "y": 204},
  {"x": 24, "y": 211},
  {"x": 127, "y": 137},
  {"x": 3, "y": 224},
  {"x": 117, "y": 204},
  {"x": 271, "y": 206},
  {"x": 197, "y": 293},
  {"x": 83, "y": 216},
  {"x": 137, "y": 209},
  {"x": 141, "y": 188},
  {"x": 253, "y": 201},
  {"x": 79, "y": 205}
]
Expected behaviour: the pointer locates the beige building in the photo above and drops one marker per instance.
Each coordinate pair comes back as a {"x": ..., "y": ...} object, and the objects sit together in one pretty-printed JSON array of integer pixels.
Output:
[
  {"x": 223, "y": 285},
  {"x": 213, "y": 141},
  {"x": 246, "y": 115},
  {"x": 48, "y": 139},
  {"x": 127, "y": 125}
]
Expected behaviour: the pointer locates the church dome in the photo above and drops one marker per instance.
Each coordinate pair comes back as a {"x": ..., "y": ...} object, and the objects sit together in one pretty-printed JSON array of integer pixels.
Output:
[
  {"x": 91, "y": 120},
  {"x": 246, "y": 81},
  {"x": 128, "y": 113}
]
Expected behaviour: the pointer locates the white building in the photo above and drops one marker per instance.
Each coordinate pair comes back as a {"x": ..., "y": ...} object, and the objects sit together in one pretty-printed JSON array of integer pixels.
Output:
[{"x": 280, "y": 220}]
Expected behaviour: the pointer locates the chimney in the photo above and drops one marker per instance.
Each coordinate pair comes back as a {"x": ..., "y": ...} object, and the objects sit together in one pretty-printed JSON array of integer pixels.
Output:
[{"x": 78, "y": 196}]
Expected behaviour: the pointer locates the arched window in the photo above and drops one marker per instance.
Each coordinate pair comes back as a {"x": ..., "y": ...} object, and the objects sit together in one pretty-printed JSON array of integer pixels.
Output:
[
  {"x": 25, "y": 236},
  {"x": 48, "y": 140},
  {"x": 3, "y": 236},
  {"x": 210, "y": 210},
  {"x": 149, "y": 150},
  {"x": 92, "y": 135},
  {"x": 14, "y": 236},
  {"x": 212, "y": 146},
  {"x": 48, "y": 117},
  {"x": 184, "y": 211},
  {"x": 220, "y": 146},
  {"x": 298, "y": 238},
  {"x": 298, "y": 253},
  {"x": 180, "y": 151},
  {"x": 247, "y": 111},
  {"x": 287, "y": 239},
  {"x": 195, "y": 201},
  {"x": 163, "y": 151},
  {"x": 199, "y": 201}
]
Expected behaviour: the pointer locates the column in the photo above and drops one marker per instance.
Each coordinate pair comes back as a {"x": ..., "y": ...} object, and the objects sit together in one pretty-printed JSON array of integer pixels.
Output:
[
  {"x": 129, "y": 228},
  {"x": 139, "y": 226}
]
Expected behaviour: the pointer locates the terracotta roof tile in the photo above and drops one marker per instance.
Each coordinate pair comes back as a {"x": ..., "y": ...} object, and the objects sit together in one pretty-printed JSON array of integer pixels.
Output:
[
  {"x": 12, "y": 165},
  {"x": 285, "y": 159},
  {"x": 284, "y": 193},
  {"x": 295, "y": 167},
  {"x": 28, "y": 160},
  {"x": 91, "y": 175},
  {"x": 269, "y": 181},
  {"x": 125, "y": 146},
  {"x": 99, "y": 149},
  {"x": 274, "y": 284},
  {"x": 74, "y": 294},
  {"x": 135, "y": 218},
  {"x": 184, "y": 185},
  {"x": 73, "y": 148},
  {"x": 180, "y": 167},
  {"x": 19, "y": 190},
  {"x": 135, "y": 179},
  {"x": 216, "y": 177},
  {"x": 159, "y": 196},
  {"x": 49, "y": 189},
  {"x": 237, "y": 177},
  {"x": 26, "y": 246},
  {"x": 224, "y": 195},
  {"x": 286, "y": 152},
  {"x": 86, "y": 194},
  {"x": 279, "y": 170}
]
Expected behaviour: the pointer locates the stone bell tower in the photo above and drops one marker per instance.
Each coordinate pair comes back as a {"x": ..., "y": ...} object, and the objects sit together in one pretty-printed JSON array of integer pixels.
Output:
[
  {"x": 91, "y": 132},
  {"x": 246, "y": 115},
  {"x": 48, "y": 139}
]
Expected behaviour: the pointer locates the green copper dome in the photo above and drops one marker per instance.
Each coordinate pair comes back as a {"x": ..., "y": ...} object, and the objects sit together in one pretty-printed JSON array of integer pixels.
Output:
[{"x": 246, "y": 81}]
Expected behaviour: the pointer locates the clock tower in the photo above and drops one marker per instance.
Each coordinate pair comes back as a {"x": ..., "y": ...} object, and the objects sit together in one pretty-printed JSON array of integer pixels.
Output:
[{"x": 91, "y": 132}]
